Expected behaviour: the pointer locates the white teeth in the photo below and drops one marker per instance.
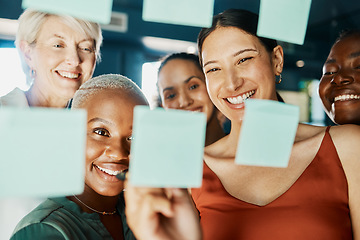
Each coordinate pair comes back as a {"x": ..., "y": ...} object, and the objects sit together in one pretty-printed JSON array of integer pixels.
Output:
[
  {"x": 69, "y": 75},
  {"x": 346, "y": 97},
  {"x": 108, "y": 171},
  {"x": 242, "y": 98}
]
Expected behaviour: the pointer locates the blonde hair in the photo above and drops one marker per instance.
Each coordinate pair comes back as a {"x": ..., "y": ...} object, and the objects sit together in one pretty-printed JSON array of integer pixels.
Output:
[
  {"x": 30, "y": 22},
  {"x": 102, "y": 82}
]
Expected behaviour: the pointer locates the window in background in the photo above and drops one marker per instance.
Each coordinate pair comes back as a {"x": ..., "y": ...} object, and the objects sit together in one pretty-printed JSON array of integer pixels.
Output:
[
  {"x": 11, "y": 74},
  {"x": 149, "y": 79}
]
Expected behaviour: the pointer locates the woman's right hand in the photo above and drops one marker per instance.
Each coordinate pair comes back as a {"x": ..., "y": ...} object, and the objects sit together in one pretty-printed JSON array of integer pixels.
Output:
[{"x": 158, "y": 213}]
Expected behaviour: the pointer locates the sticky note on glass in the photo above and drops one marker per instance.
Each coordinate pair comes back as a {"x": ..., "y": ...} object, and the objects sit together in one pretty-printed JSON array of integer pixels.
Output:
[
  {"x": 42, "y": 151},
  {"x": 167, "y": 149},
  {"x": 284, "y": 20},
  {"x": 91, "y": 10},
  {"x": 267, "y": 133},
  {"x": 197, "y": 13}
]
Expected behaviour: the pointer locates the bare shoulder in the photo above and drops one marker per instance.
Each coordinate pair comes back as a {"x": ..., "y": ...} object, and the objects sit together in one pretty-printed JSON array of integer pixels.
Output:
[
  {"x": 345, "y": 131},
  {"x": 346, "y": 139},
  {"x": 306, "y": 132}
]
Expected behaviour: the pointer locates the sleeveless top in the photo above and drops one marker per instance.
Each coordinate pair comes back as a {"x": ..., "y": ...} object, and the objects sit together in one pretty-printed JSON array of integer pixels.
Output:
[{"x": 315, "y": 207}]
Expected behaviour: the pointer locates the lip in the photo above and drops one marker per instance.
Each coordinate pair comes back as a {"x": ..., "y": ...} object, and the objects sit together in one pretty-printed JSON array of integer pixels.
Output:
[
  {"x": 238, "y": 101},
  {"x": 110, "y": 167},
  {"x": 63, "y": 73},
  {"x": 196, "y": 109},
  {"x": 346, "y": 97}
]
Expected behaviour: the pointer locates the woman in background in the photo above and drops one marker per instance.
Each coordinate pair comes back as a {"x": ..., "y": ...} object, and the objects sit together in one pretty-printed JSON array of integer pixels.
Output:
[
  {"x": 58, "y": 54},
  {"x": 339, "y": 87},
  {"x": 181, "y": 85}
]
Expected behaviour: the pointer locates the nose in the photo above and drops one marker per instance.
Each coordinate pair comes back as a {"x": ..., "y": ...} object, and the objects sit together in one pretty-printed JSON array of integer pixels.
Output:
[
  {"x": 118, "y": 150},
  {"x": 73, "y": 57},
  {"x": 185, "y": 100},
  {"x": 233, "y": 80},
  {"x": 342, "y": 78}
]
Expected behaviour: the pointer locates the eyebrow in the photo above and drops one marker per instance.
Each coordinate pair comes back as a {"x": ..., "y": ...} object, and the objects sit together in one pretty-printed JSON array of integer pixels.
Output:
[
  {"x": 352, "y": 55},
  {"x": 61, "y": 37},
  {"x": 99, "y": 120},
  {"x": 234, "y": 55},
  {"x": 186, "y": 81}
]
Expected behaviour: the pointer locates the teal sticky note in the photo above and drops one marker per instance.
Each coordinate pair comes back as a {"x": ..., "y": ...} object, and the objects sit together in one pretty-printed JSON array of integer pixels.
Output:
[
  {"x": 42, "y": 151},
  {"x": 167, "y": 149},
  {"x": 91, "y": 10},
  {"x": 267, "y": 133},
  {"x": 284, "y": 20},
  {"x": 197, "y": 13}
]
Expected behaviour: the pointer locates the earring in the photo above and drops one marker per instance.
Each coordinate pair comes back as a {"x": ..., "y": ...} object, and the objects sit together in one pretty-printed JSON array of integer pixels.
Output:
[
  {"x": 32, "y": 74},
  {"x": 278, "y": 78}
]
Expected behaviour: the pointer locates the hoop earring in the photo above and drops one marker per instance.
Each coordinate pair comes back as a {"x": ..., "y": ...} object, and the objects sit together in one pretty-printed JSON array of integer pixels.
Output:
[{"x": 278, "y": 78}]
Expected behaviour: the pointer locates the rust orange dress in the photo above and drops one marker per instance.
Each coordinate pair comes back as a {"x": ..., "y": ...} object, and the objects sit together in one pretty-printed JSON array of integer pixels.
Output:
[{"x": 315, "y": 207}]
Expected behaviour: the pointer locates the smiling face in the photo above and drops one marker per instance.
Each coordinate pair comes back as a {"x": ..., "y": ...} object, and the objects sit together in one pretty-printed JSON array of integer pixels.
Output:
[
  {"x": 61, "y": 57},
  {"x": 238, "y": 67},
  {"x": 182, "y": 86},
  {"x": 109, "y": 129},
  {"x": 339, "y": 87}
]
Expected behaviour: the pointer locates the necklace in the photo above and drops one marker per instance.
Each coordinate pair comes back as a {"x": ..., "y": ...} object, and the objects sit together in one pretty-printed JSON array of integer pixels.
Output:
[{"x": 103, "y": 213}]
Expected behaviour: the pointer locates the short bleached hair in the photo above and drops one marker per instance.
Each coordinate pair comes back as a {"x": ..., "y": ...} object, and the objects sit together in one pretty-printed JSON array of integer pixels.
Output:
[{"x": 104, "y": 82}]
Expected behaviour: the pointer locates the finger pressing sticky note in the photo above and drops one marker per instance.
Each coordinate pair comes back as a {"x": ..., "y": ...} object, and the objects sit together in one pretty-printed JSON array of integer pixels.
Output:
[
  {"x": 91, "y": 10},
  {"x": 267, "y": 133},
  {"x": 284, "y": 20},
  {"x": 197, "y": 13},
  {"x": 42, "y": 151},
  {"x": 167, "y": 148}
]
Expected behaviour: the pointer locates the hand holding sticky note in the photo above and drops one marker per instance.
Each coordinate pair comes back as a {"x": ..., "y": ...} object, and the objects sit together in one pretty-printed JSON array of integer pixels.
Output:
[
  {"x": 267, "y": 133},
  {"x": 167, "y": 148},
  {"x": 42, "y": 151}
]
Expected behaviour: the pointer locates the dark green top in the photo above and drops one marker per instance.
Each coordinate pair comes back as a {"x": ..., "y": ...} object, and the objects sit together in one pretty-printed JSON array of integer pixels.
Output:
[{"x": 60, "y": 218}]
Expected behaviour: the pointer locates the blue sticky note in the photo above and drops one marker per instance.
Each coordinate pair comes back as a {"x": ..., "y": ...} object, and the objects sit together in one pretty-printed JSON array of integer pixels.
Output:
[
  {"x": 196, "y": 13},
  {"x": 91, "y": 10},
  {"x": 267, "y": 133},
  {"x": 167, "y": 149},
  {"x": 284, "y": 20},
  {"x": 42, "y": 151}
]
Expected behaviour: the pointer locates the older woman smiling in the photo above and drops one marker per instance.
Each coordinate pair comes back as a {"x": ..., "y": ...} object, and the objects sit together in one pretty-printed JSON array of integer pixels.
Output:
[{"x": 59, "y": 53}]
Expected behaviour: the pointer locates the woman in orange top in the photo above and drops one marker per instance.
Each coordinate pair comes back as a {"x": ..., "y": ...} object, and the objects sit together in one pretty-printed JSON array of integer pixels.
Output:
[{"x": 316, "y": 197}]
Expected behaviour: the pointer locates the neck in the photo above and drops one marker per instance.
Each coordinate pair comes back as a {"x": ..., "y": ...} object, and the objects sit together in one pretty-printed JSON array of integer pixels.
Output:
[
  {"x": 89, "y": 200},
  {"x": 38, "y": 98},
  {"x": 226, "y": 147},
  {"x": 214, "y": 130}
]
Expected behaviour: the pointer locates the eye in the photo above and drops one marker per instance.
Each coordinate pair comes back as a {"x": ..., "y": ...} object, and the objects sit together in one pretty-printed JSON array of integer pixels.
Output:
[
  {"x": 87, "y": 49},
  {"x": 129, "y": 138},
  {"x": 194, "y": 86},
  {"x": 328, "y": 73},
  {"x": 170, "y": 96},
  {"x": 212, "y": 70},
  {"x": 244, "y": 60},
  {"x": 58, "y": 46},
  {"x": 102, "y": 132}
]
